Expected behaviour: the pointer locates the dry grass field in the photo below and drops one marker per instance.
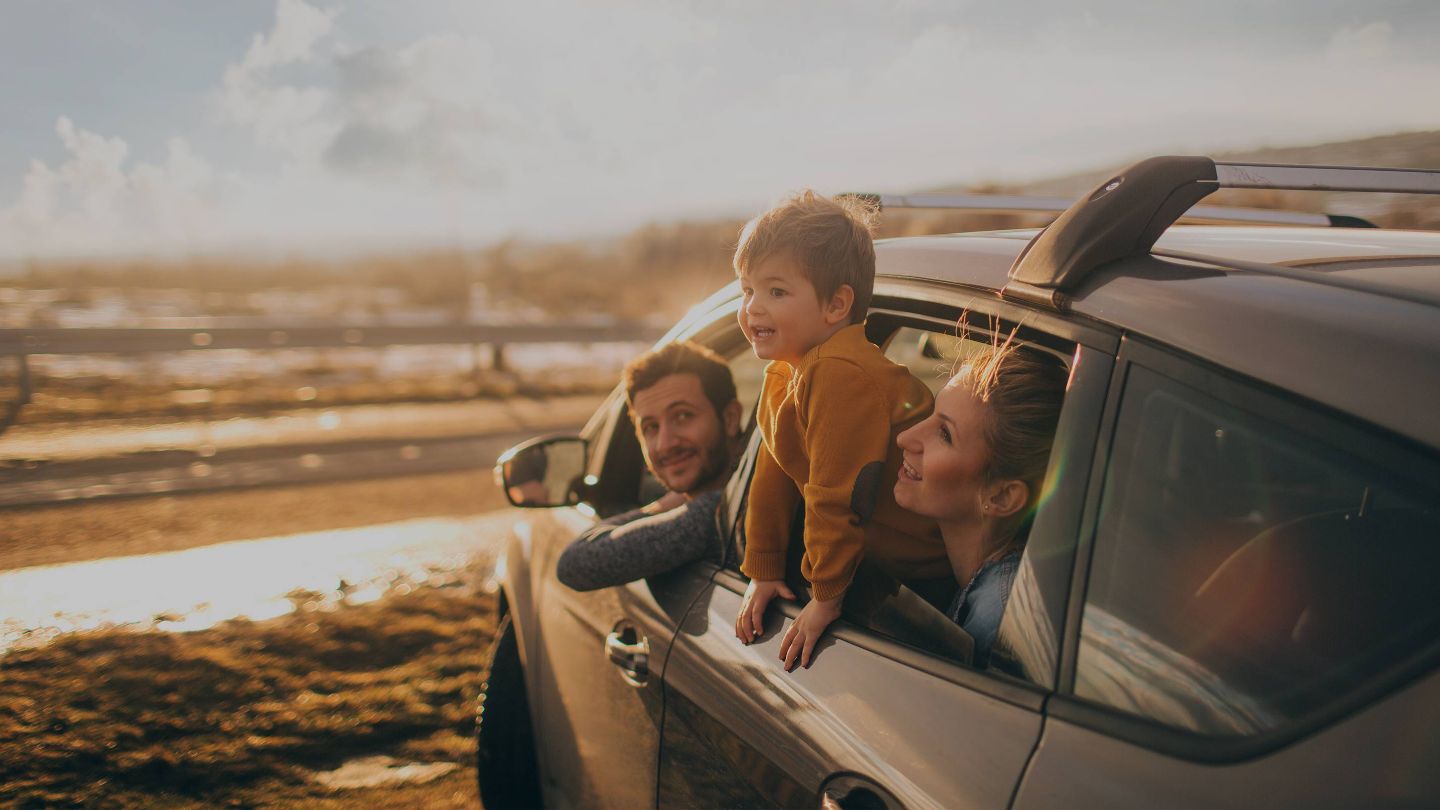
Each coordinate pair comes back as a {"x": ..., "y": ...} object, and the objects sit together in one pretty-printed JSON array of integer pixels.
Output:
[{"x": 251, "y": 714}]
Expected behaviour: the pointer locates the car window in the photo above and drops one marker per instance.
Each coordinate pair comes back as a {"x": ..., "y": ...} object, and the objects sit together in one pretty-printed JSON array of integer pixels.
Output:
[
  {"x": 933, "y": 355},
  {"x": 1244, "y": 574},
  {"x": 914, "y": 612}
]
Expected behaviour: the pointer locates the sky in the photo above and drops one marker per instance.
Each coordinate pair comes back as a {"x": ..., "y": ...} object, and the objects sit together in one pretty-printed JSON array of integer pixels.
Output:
[{"x": 170, "y": 127}]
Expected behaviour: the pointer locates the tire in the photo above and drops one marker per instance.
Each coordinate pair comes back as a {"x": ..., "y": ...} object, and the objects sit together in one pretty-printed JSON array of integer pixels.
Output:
[{"x": 508, "y": 773}]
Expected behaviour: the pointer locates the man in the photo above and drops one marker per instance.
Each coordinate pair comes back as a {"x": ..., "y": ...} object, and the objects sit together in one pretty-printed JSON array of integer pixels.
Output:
[{"x": 683, "y": 405}]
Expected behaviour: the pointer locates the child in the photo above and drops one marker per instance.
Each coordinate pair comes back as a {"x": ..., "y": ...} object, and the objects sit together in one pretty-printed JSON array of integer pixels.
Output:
[{"x": 829, "y": 412}]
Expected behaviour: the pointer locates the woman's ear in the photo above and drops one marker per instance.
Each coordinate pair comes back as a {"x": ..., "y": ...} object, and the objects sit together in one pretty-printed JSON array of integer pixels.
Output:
[
  {"x": 1005, "y": 498},
  {"x": 837, "y": 309}
]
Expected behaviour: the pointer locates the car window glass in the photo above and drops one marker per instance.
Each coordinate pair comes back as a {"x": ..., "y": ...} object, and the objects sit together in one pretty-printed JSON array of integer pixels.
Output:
[
  {"x": 1244, "y": 575},
  {"x": 934, "y": 356}
]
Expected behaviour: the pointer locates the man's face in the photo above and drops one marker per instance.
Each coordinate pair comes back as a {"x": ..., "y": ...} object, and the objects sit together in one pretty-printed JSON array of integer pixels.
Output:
[{"x": 686, "y": 442}]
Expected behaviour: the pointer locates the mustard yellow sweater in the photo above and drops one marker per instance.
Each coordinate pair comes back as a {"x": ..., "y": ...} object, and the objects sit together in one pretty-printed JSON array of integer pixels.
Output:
[{"x": 829, "y": 426}]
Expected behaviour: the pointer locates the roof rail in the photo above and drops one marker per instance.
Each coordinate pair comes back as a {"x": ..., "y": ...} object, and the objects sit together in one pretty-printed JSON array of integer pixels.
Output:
[
  {"x": 1126, "y": 214},
  {"x": 1027, "y": 204}
]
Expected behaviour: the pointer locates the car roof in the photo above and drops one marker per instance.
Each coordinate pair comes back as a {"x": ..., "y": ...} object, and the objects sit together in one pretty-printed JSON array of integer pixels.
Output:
[{"x": 1373, "y": 354}]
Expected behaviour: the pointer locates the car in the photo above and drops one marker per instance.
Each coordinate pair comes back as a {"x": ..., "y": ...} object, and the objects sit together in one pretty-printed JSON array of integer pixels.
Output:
[{"x": 1227, "y": 594}]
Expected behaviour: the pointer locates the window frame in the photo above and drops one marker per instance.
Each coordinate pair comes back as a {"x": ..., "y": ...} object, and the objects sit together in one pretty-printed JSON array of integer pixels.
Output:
[
  {"x": 938, "y": 307},
  {"x": 1339, "y": 432}
]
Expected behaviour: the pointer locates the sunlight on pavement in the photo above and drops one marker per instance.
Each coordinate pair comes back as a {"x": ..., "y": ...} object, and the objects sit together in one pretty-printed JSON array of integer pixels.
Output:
[{"x": 256, "y": 579}]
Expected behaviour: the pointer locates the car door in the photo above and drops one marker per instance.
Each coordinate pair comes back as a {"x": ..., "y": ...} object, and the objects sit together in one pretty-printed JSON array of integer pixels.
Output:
[
  {"x": 1254, "y": 621},
  {"x": 602, "y": 652},
  {"x": 885, "y": 716}
]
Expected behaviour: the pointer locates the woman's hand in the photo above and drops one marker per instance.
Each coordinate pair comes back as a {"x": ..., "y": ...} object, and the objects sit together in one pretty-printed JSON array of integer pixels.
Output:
[
  {"x": 751, "y": 621},
  {"x": 800, "y": 640}
]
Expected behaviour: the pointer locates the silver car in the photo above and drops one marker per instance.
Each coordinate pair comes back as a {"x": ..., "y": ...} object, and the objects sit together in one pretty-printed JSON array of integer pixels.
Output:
[{"x": 1228, "y": 595}]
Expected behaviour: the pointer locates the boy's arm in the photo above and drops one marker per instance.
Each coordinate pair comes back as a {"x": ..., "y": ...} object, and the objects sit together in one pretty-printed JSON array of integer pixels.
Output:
[
  {"x": 847, "y": 430},
  {"x": 771, "y": 507}
]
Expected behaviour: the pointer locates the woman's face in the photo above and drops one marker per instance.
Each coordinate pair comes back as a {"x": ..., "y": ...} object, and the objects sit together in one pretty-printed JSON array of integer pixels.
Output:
[{"x": 945, "y": 458}]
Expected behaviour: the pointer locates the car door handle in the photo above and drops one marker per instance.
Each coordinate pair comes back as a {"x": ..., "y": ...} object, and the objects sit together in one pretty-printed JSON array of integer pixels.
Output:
[
  {"x": 630, "y": 652},
  {"x": 854, "y": 792}
]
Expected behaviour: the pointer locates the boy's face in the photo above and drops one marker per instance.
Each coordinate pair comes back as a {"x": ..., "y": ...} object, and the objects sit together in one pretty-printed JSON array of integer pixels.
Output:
[{"x": 781, "y": 314}]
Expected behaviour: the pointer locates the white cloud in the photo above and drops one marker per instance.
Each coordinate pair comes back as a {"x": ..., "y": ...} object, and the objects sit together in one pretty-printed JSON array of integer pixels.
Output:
[
  {"x": 560, "y": 117},
  {"x": 1361, "y": 43},
  {"x": 281, "y": 115},
  {"x": 93, "y": 202}
]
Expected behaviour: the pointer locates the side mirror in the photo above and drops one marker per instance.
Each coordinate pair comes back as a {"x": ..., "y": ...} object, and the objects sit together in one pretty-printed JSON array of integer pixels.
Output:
[{"x": 543, "y": 472}]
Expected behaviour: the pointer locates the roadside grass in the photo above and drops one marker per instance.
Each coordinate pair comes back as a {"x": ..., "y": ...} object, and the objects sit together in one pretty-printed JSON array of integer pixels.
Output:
[{"x": 244, "y": 714}]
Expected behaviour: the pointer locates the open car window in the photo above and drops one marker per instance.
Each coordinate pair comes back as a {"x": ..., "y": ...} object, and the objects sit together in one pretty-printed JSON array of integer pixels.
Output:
[{"x": 913, "y": 613}]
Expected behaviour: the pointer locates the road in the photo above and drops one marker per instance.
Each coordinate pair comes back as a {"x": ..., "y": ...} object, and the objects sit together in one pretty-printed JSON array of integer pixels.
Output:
[{"x": 52, "y": 464}]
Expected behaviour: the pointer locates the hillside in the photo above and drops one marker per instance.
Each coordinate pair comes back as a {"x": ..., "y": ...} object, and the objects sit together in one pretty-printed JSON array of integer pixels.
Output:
[{"x": 1412, "y": 150}]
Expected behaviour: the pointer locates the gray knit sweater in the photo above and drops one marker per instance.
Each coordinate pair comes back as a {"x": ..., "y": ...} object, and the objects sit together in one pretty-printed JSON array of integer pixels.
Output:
[{"x": 635, "y": 545}]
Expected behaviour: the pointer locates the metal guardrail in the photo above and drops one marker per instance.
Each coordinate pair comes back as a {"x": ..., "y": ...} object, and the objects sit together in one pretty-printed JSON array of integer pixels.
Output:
[{"x": 21, "y": 343}]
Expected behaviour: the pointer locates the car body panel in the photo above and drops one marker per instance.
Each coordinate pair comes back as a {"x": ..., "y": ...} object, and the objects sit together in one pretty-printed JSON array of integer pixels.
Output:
[
  {"x": 1385, "y": 755},
  {"x": 744, "y": 731},
  {"x": 598, "y": 733}
]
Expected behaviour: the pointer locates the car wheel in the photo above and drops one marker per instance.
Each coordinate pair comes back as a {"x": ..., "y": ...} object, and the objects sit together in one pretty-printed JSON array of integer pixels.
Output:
[{"x": 508, "y": 773}]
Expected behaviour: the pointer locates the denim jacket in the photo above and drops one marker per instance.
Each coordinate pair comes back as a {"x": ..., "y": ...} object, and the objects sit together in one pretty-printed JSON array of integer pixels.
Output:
[{"x": 980, "y": 605}]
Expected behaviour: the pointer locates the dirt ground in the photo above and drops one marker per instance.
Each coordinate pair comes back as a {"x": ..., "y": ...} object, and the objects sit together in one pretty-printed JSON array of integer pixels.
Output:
[{"x": 249, "y": 714}]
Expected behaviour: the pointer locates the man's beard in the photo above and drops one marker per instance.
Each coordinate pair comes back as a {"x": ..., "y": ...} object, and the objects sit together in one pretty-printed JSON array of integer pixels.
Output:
[{"x": 715, "y": 463}]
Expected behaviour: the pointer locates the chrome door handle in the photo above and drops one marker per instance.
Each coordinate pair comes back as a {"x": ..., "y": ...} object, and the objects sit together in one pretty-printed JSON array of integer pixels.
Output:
[
  {"x": 631, "y": 653},
  {"x": 854, "y": 792}
]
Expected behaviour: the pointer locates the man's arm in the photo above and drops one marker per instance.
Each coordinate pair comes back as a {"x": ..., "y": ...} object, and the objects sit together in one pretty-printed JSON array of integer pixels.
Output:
[{"x": 636, "y": 545}]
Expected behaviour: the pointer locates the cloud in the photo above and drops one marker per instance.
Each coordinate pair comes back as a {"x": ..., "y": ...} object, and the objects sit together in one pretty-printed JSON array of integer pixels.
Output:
[
  {"x": 92, "y": 202},
  {"x": 1361, "y": 43},
  {"x": 457, "y": 120},
  {"x": 281, "y": 115}
]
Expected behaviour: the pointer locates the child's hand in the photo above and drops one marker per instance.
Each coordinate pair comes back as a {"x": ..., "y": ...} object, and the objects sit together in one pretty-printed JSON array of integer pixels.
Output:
[
  {"x": 751, "y": 621},
  {"x": 800, "y": 640}
]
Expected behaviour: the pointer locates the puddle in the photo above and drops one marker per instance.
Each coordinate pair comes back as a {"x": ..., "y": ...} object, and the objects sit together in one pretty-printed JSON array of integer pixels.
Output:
[
  {"x": 378, "y": 771},
  {"x": 198, "y": 588}
]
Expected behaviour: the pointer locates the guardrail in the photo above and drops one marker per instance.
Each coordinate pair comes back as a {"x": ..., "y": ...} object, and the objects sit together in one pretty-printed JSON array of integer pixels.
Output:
[{"x": 22, "y": 343}]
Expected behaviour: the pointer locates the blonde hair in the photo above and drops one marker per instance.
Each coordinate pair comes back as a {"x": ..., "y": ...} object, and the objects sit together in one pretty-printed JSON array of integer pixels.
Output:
[
  {"x": 830, "y": 240},
  {"x": 1023, "y": 389}
]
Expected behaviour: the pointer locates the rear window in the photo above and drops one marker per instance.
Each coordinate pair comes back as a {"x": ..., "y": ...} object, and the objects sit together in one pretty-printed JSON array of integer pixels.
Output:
[{"x": 1245, "y": 575}]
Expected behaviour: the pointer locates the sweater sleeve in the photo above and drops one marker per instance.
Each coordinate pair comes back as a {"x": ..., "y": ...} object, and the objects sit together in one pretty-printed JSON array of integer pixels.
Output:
[
  {"x": 770, "y": 508},
  {"x": 634, "y": 545},
  {"x": 847, "y": 430}
]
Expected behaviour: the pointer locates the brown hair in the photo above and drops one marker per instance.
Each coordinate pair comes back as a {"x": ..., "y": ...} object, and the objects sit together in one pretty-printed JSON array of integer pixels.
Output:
[
  {"x": 830, "y": 239},
  {"x": 1023, "y": 389},
  {"x": 681, "y": 357}
]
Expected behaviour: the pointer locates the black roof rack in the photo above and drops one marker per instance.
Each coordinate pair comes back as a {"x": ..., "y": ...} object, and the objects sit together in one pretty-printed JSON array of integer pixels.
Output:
[
  {"x": 1126, "y": 214},
  {"x": 1027, "y": 204}
]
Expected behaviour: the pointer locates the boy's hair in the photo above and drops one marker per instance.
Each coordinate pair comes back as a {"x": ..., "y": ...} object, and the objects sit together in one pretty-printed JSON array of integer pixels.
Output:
[
  {"x": 830, "y": 239},
  {"x": 681, "y": 357}
]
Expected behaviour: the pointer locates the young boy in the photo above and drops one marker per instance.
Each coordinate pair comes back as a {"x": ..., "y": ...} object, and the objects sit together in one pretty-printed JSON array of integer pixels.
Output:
[{"x": 829, "y": 412}]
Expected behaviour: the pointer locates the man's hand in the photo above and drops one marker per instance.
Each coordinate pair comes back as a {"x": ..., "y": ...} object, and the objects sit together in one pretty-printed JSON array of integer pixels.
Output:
[
  {"x": 751, "y": 621},
  {"x": 806, "y": 630},
  {"x": 666, "y": 502}
]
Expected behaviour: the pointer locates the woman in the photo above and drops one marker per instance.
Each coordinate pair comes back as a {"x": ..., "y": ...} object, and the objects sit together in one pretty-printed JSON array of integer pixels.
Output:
[{"x": 975, "y": 465}]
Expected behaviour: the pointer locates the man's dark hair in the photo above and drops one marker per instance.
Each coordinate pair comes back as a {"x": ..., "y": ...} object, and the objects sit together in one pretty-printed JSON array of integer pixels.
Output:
[{"x": 681, "y": 357}]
